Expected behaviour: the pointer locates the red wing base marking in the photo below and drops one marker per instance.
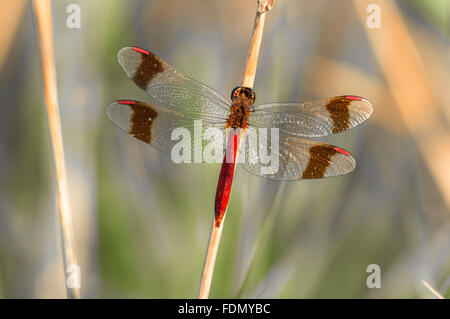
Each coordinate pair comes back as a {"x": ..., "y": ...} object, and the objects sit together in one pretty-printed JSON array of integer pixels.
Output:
[
  {"x": 353, "y": 98},
  {"x": 141, "y": 50},
  {"x": 340, "y": 150},
  {"x": 126, "y": 102}
]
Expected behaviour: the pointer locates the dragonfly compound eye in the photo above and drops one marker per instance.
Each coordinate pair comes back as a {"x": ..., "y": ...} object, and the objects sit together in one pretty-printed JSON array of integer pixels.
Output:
[{"x": 243, "y": 92}]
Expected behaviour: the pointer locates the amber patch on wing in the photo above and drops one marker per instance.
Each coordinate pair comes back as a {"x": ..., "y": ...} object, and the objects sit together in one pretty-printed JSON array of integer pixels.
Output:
[
  {"x": 150, "y": 66},
  {"x": 338, "y": 108},
  {"x": 141, "y": 121},
  {"x": 319, "y": 160}
]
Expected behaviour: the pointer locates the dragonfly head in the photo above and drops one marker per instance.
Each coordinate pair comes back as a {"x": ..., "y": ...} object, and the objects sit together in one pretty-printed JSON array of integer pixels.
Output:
[{"x": 241, "y": 93}]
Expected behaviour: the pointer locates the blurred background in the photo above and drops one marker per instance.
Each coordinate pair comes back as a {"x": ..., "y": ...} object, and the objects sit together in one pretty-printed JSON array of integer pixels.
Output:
[{"x": 142, "y": 222}]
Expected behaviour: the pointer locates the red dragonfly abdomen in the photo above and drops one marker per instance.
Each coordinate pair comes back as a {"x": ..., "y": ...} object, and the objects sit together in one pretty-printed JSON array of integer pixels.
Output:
[{"x": 226, "y": 179}]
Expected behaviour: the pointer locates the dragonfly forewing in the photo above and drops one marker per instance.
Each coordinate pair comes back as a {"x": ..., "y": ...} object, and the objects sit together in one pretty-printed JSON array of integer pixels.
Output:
[
  {"x": 315, "y": 118},
  {"x": 164, "y": 83}
]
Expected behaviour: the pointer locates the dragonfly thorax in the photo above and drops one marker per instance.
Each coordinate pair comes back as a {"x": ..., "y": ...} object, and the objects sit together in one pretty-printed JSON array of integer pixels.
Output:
[{"x": 242, "y": 99}]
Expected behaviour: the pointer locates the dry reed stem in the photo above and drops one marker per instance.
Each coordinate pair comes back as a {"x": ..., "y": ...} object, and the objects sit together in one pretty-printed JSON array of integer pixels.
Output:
[
  {"x": 432, "y": 290},
  {"x": 263, "y": 7},
  {"x": 44, "y": 29},
  {"x": 210, "y": 260},
  {"x": 404, "y": 71},
  {"x": 10, "y": 15}
]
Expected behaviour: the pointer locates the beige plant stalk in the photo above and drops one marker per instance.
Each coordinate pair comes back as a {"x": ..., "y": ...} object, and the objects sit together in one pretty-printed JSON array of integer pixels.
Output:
[
  {"x": 431, "y": 289},
  {"x": 264, "y": 6},
  {"x": 43, "y": 14}
]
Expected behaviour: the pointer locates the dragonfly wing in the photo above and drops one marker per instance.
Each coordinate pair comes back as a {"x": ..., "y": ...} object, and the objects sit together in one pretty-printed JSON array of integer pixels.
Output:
[
  {"x": 297, "y": 159},
  {"x": 161, "y": 81},
  {"x": 315, "y": 118},
  {"x": 157, "y": 125}
]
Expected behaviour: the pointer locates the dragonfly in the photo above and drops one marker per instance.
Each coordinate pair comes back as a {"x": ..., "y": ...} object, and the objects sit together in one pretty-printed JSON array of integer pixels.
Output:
[{"x": 186, "y": 100}]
